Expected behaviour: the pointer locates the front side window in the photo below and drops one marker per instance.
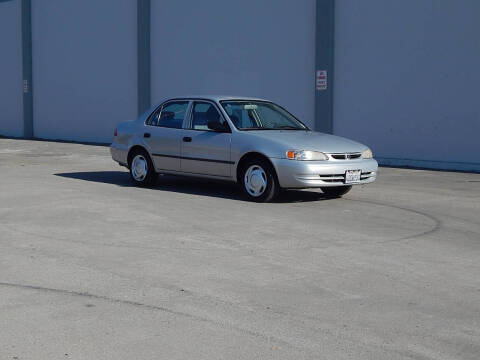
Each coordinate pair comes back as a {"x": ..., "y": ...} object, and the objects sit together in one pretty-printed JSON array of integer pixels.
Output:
[
  {"x": 204, "y": 113},
  {"x": 260, "y": 115},
  {"x": 170, "y": 115}
]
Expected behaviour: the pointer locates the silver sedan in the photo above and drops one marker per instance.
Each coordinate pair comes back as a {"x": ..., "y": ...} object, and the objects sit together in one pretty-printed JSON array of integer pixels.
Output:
[{"x": 253, "y": 142}]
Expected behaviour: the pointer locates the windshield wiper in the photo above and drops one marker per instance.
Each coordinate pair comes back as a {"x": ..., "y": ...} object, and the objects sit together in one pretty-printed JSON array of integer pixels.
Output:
[
  {"x": 282, "y": 127},
  {"x": 288, "y": 127},
  {"x": 255, "y": 128}
]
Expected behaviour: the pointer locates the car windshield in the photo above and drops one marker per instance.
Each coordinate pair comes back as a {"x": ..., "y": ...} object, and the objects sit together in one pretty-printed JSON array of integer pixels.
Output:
[{"x": 260, "y": 115}]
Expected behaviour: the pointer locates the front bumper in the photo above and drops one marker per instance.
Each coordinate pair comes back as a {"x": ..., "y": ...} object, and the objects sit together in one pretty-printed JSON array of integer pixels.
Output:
[{"x": 311, "y": 174}]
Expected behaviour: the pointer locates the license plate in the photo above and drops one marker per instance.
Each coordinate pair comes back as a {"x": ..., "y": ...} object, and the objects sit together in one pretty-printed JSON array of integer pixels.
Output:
[{"x": 352, "y": 176}]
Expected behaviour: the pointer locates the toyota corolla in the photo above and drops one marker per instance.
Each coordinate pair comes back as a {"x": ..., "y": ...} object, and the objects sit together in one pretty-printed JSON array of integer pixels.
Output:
[{"x": 253, "y": 142}]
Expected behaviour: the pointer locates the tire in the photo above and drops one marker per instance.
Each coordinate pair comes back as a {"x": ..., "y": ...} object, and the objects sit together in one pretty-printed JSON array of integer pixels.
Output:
[
  {"x": 142, "y": 171},
  {"x": 258, "y": 181},
  {"x": 336, "y": 191}
]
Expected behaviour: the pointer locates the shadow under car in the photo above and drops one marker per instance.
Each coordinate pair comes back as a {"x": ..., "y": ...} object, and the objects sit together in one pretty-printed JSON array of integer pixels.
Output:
[{"x": 191, "y": 185}]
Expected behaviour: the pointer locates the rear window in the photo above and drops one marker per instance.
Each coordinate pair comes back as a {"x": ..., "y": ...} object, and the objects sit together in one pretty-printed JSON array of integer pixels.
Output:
[{"x": 170, "y": 115}]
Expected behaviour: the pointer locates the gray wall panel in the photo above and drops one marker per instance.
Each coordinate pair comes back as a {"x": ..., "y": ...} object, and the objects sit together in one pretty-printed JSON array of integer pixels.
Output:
[
  {"x": 250, "y": 48},
  {"x": 406, "y": 79},
  {"x": 84, "y": 67},
  {"x": 11, "y": 112}
]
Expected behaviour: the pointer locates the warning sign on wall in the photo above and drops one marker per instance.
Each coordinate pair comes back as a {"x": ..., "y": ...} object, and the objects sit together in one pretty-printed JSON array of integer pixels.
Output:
[{"x": 321, "y": 80}]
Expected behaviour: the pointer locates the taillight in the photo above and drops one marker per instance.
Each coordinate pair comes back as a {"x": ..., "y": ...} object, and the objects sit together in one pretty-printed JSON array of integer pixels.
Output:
[{"x": 115, "y": 132}]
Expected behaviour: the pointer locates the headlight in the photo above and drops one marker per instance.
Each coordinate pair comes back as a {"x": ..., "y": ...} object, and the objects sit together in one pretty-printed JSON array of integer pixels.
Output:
[
  {"x": 306, "y": 155},
  {"x": 367, "y": 154}
]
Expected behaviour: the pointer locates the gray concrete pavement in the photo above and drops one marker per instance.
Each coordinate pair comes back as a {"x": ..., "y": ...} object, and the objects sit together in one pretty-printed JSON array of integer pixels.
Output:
[{"x": 94, "y": 268}]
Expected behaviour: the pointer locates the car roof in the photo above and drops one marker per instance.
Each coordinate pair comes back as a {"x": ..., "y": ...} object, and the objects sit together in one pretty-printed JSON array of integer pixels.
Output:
[{"x": 216, "y": 97}]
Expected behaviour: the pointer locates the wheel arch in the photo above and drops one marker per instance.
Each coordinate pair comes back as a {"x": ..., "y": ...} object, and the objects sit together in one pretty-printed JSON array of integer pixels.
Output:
[
  {"x": 249, "y": 156},
  {"x": 134, "y": 149}
]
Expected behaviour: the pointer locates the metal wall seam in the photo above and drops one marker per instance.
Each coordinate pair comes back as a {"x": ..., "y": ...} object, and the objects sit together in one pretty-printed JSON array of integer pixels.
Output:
[
  {"x": 324, "y": 64},
  {"x": 143, "y": 55},
  {"x": 27, "y": 69}
]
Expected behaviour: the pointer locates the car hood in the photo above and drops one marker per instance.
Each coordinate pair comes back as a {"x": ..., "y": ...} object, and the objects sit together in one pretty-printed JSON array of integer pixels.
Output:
[{"x": 308, "y": 140}]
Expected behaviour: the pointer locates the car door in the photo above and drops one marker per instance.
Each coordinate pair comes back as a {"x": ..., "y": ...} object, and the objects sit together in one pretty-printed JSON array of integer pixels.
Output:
[
  {"x": 163, "y": 135},
  {"x": 206, "y": 151}
]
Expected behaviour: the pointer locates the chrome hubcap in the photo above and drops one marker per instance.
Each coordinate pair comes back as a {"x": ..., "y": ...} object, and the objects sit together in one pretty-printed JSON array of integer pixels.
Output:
[
  {"x": 139, "y": 168},
  {"x": 255, "y": 180}
]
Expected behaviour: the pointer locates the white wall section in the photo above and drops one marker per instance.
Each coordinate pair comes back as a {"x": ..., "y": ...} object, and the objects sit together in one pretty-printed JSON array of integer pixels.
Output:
[
  {"x": 406, "y": 80},
  {"x": 84, "y": 68},
  {"x": 250, "y": 48}
]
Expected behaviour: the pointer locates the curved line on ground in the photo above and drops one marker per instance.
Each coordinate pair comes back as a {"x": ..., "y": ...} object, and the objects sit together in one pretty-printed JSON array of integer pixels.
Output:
[{"x": 437, "y": 223}]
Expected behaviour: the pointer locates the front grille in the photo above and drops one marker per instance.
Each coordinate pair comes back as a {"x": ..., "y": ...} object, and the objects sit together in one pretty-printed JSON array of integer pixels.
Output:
[{"x": 346, "y": 156}]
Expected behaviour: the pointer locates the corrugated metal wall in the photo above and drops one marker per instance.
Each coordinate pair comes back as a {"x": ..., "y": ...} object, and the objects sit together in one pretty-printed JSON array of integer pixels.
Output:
[
  {"x": 85, "y": 59},
  {"x": 405, "y": 78}
]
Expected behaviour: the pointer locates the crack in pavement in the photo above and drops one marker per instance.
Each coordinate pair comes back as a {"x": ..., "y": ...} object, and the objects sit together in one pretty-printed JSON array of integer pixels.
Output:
[{"x": 267, "y": 338}]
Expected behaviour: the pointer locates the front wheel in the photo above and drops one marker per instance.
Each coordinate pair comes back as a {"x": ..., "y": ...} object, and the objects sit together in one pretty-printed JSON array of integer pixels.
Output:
[
  {"x": 258, "y": 181},
  {"x": 336, "y": 191},
  {"x": 141, "y": 167}
]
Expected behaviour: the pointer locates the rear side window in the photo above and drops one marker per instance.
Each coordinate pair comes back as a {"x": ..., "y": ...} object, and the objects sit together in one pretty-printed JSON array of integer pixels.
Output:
[
  {"x": 170, "y": 115},
  {"x": 152, "y": 120}
]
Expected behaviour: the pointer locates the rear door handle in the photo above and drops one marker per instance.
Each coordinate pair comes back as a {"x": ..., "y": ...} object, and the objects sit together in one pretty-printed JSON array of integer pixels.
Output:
[
  {"x": 146, "y": 135},
  {"x": 187, "y": 139}
]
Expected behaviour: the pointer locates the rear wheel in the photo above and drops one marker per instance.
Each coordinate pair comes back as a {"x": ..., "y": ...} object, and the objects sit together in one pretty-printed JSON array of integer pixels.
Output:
[
  {"x": 142, "y": 171},
  {"x": 258, "y": 181},
  {"x": 336, "y": 191}
]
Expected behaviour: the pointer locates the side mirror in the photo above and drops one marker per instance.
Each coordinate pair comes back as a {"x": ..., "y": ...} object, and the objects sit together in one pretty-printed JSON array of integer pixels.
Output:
[{"x": 217, "y": 126}]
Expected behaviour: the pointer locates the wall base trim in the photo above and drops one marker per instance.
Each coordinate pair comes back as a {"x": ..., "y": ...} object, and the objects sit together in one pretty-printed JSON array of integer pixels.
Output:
[{"x": 429, "y": 164}]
